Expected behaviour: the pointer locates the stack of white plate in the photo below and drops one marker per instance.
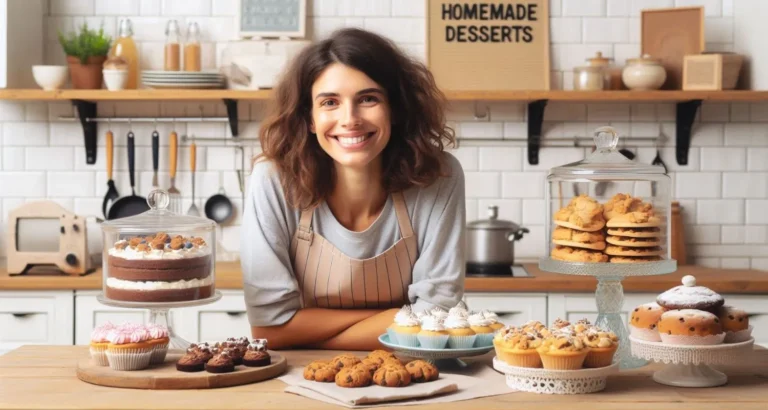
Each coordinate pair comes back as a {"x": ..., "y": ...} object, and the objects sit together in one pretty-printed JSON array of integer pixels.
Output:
[{"x": 182, "y": 79}]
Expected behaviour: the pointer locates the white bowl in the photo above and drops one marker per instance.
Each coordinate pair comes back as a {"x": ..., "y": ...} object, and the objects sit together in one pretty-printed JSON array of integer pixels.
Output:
[
  {"x": 50, "y": 77},
  {"x": 115, "y": 79}
]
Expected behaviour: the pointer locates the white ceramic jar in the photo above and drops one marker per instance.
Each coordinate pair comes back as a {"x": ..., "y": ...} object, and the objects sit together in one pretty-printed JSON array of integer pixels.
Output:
[{"x": 644, "y": 73}]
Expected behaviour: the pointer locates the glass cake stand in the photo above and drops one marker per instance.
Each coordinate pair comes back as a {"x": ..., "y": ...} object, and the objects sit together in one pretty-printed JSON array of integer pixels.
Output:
[
  {"x": 159, "y": 313},
  {"x": 609, "y": 294}
]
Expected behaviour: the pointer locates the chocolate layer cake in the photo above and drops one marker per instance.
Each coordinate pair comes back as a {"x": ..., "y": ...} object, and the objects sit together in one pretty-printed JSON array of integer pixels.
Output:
[{"x": 158, "y": 268}]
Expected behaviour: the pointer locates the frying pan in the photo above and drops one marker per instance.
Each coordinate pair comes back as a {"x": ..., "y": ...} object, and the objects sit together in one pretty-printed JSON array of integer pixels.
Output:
[{"x": 132, "y": 204}]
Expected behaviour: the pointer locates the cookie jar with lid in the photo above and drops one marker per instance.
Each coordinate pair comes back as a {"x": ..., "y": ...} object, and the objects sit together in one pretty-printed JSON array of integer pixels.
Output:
[
  {"x": 158, "y": 257},
  {"x": 607, "y": 213}
]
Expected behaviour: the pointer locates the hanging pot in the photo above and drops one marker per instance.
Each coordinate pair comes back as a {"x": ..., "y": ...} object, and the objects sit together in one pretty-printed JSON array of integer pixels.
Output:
[{"x": 491, "y": 243}]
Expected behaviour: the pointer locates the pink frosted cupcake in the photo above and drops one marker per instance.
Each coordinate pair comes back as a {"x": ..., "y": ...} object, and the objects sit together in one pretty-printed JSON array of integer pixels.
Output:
[
  {"x": 158, "y": 339},
  {"x": 129, "y": 348},
  {"x": 99, "y": 343}
]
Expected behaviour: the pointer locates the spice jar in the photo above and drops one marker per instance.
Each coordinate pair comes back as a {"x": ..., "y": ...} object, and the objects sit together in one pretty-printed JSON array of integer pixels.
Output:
[
  {"x": 589, "y": 78},
  {"x": 612, "y": 74},
  {"x": 192, "y": 48},
  {"x": 644, "y": 73},
  {"x": 172, "y": 46}
]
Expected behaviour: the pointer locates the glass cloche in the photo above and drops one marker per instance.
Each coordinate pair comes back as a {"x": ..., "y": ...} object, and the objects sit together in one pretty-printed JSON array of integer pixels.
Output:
[{"x": 158, "y": 257}]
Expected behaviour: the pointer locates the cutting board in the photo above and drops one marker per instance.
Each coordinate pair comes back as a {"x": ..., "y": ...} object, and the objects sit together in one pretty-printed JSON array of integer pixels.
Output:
[
  {"x": 166, "y": 377},
  {"x": 669, "y": 35}
]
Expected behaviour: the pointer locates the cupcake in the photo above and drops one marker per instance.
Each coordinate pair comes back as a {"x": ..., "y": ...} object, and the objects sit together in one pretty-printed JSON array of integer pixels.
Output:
[
  {"x": 221, "y": 363},
  {"x": 562, "y": 352},
  {"x": 256, "y": 354},
  {"x": 458, "y": 311},
  {"x": 644, "y": 321},
  {"x": 691, "y": 296},
  {"x": 405, "y": 329},
  {"x": 602, "y": 346},
  {"x": 735, "y": 324},
  {"x": 560, "y": 323},
  {"x": 158, "y": 339},
  {"x": 129, "y": 348},
  {"x": 690, "y": 327},
  {"x": 192, "y": 361},
  {"x": 533, "y": 325},
  {"x": 519, "y": 349},
  {"x": 99, "y": 343},
  {"x": 481, "y": 326},
  {"x": 432, "y": 334},
  {"x": 438, "y": 312},
  {"x": 402, "y": 316},
  {"x": 494, "y": 318},
  {"x": 460, "y": 335},
  {"x": 582, "y": 326}
]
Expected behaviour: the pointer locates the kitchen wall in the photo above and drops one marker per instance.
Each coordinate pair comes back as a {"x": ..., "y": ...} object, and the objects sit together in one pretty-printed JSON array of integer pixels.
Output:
[{"x": 723, "y": 190}]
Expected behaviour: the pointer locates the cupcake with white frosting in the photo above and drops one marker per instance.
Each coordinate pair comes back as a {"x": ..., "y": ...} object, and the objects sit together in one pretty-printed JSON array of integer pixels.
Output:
[
  {"x": 438, "y": 312},
  {"x": 460, "y": 335},
  {"x": 494, "y": 318},
  {"x": 433, "y": 334},
  {"x": 482, "y": 328},
  {"x": 406, "y": 327},
  {"x": 400, "y": 316},
  {"x": 458, "y": 311}
]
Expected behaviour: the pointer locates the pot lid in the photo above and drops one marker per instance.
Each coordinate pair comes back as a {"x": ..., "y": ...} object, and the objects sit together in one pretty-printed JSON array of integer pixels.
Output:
[
  {"x": 493, "y": 222},
  {"x": 644, "y": 59},
  {"x": 606, "y": 159},
  {"x": 158, "y": 218},
  {"x": 598, "y": 59}
]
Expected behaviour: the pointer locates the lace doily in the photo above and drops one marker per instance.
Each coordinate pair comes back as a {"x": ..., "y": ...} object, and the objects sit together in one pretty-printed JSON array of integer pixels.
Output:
[
  {"x": 687, "y": 355},
  {"x": 544, "y": 381}
]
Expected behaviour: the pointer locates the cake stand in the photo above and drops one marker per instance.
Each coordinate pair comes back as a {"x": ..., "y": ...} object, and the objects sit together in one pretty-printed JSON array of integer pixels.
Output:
[
  {"x": 545, "y": 381},
  {"x": 610, "y": 294},
  {"x": 159, "y": 313},
  {"x": 689, "y": 366},
  {"x": 442, "y": 358}
]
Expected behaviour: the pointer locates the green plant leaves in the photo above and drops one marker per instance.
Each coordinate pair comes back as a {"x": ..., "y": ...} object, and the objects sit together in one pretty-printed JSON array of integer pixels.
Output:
[{"x": 85, "y": 43}]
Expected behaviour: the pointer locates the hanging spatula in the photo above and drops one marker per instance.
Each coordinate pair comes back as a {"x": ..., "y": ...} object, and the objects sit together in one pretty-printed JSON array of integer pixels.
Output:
[{"x": 112, "y": 193}]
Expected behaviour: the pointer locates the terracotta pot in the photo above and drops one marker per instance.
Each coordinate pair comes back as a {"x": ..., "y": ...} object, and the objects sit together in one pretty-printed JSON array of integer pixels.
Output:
[{"x": 86, "y": 76}]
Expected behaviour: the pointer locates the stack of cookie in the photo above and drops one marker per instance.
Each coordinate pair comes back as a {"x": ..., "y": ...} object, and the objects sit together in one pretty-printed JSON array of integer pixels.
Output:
[
  {"x": 634, "y": 233},
  {"x": 579, "y": 234}
]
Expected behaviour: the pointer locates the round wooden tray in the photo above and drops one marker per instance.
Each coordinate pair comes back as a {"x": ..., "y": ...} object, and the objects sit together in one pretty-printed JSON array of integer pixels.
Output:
[{"x": 166, "y": 377}]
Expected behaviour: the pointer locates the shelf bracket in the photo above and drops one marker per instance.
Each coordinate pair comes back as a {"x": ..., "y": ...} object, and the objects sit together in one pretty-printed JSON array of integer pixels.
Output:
[
  {"x": 686, "y": 113},
  {"x": 85, "y": 111},
  {"x": 535, "y": 119},
  {"x": 231, "y": 105}
]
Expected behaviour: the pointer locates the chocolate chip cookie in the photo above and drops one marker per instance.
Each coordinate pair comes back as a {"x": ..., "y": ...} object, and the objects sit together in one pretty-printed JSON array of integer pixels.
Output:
[
  {"x": 392, "y": 376},
  {"x": 356, "y": 376},
  {"x": 422, "y": 371}
]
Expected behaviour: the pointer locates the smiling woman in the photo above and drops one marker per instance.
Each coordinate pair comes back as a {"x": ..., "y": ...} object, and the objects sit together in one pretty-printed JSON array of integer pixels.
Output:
[{"x": 353, "y": 208}]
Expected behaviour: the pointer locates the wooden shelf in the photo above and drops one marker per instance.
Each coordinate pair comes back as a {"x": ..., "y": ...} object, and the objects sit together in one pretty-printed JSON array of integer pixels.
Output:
[{"x": 133, "y": 95}]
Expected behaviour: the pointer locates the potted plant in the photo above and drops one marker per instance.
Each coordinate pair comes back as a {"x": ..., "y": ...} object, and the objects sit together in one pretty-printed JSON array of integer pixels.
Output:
[{"x": 86, "y": 51}]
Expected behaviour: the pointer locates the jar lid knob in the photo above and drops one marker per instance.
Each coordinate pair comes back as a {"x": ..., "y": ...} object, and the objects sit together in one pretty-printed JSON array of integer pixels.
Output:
[
  {"x": 158, "y": 199},
  {"x": 606, "y": 139}
]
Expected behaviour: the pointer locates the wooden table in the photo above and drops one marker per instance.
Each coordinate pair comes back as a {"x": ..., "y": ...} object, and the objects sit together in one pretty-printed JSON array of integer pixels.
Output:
[{"x": 43, "y": 377}]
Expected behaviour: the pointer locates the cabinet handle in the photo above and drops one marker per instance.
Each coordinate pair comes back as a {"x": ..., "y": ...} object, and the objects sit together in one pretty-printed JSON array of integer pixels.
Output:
[
  {"x": 22, "y": 315},
  {"x": 235, "y": 313},
  {"x": 500, "y": 313}
]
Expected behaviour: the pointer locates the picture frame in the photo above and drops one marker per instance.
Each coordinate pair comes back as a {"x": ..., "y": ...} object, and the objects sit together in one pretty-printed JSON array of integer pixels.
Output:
[{"x": 283, "y": 19}]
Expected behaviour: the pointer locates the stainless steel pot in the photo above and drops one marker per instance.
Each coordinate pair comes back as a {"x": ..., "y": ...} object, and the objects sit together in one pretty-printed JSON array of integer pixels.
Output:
[{"x": 491, "y": 242}]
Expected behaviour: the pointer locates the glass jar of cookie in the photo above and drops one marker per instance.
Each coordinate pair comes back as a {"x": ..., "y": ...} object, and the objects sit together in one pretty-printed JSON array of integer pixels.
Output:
[
  {"x": 608, "y": 209},
  {"x": 158, "y": 256}
]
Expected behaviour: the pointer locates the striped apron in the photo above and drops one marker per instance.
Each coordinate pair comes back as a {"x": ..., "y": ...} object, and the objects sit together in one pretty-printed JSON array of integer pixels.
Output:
[{"x": 328, "y": 278}]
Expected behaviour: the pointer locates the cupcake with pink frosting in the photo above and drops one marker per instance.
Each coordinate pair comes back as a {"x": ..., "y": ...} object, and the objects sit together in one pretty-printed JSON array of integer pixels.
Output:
[
  {"x": 158, "y": 339},
  {"x": 129, "y": 348},
  {"x": 99, "y": 343}
]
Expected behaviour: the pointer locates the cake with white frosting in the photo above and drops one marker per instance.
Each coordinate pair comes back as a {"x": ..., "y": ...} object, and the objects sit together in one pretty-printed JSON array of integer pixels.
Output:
[{"x": 159, "y": 268}]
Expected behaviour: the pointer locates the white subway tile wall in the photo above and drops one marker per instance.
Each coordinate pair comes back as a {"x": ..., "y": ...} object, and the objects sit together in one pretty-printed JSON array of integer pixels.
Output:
[{"x": 723, "y": 189}]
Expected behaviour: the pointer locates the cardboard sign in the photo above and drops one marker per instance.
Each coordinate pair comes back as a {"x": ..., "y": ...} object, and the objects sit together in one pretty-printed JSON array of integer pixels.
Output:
[{"x": 476, "y": 45}]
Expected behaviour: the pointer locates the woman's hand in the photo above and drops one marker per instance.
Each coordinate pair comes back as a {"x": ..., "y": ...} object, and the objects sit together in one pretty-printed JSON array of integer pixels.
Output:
[
  {"x": 311, "y": 327},
  {"x": 363, "y": 335}
]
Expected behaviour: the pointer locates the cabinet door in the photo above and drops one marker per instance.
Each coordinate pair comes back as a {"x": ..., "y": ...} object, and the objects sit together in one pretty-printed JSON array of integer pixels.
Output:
[
  {"x": 35, "y": 318},
  {"x": 756, "y": 307},
  {"x": 512, "y": 308},
  {"x": 215, "y": 322},
  {"x": 575, "y": 306},
  {"x": 89, "y": 313}
]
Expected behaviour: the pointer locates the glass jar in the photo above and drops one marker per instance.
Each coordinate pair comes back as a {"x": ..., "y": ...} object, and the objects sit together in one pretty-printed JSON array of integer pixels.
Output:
[
  {"x": 159, "y": 257},
  {"x": 172, "y": 46},
  {"x": 608, "y": 210},
  {"x": 644, "y": 73},
  {"x": 192, "y": 57},
  {"x": 589, "y": 78}
]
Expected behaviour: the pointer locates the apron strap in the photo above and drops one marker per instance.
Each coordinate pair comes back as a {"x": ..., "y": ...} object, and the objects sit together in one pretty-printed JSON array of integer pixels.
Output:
[
  {"x": 401, "y": 210},
  {"x": 304, "y": 231}
]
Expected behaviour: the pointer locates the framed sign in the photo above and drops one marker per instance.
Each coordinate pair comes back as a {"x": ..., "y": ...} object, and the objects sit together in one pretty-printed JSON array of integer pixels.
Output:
[
  {"x": 476, "y": 45},
  {"x": 271, "y": 18}
]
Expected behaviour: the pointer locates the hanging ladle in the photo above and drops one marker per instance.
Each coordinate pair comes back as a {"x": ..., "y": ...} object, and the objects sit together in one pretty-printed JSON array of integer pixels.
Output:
[{"x": 218, "y": 207}]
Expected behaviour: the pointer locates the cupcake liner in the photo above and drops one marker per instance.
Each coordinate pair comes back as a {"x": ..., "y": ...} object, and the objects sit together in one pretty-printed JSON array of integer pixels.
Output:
[
  {"x": 99, "y": 356},
  {"x": 484, "y": 339},
  {"x": 158, "y": 353},
  {"x": 692, "y": 340},
  {"x": 600, "y": 357},
  {"x": 129, "y": 359},
  {"x": 740, "y": 336},
  {"x": 433, "y": 342},
  {"x": 651, "y": 335},
  {"x": 461, "y": 342},
  {"x": 406, "y": 339},
  {"x": 530, "y": 359},
  {"x": 392, "y": 335},
  {"x": 563, "y": 361}
]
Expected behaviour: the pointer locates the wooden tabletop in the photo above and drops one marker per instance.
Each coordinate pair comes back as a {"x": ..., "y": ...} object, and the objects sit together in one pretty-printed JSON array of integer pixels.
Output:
[
  {"x": 43, "y": 377},
  {"x": 229, "y": 276}
]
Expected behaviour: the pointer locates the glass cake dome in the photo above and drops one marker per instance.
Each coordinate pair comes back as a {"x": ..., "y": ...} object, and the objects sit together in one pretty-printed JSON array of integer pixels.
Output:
[{"x": 158, "y": 257}]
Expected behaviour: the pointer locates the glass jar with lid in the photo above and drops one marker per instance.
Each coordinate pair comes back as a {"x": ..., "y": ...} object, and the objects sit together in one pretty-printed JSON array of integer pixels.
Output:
[
  {"x": 607, "y": 213},
  {"x": 158, "y": 257}
]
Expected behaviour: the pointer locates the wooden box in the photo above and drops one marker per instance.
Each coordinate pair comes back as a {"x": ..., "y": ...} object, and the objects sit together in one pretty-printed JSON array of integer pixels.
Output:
[{"x": 715, "y": 71}]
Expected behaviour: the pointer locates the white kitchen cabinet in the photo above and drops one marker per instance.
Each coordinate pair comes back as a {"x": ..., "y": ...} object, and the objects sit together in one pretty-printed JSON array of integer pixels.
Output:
[
  {"x": 512, "y": 308},
  {"x": 575, "y": 306},
  {"x": 35, "y": 317},
  {"x": 90, "y": 313},
  {"x": 224, "y": 318}
]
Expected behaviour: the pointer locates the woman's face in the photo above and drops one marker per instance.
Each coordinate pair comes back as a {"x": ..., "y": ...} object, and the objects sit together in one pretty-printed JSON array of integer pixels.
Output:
[{"x": 350, "y": 116}]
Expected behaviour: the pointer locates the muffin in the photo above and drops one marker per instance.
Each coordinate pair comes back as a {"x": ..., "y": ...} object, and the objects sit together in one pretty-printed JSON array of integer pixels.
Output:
[
  {"x": 644, "y": 321},
  {"x": 519, "y": 349},
  {"x": 221, "y": 363},
  {"x": 735, "y": 324},
  {"x": 192, "y": 361},
  {"x": 690, "y": 296},
  {"x": 482, "y": 328},
  {"x": 433, "y": 334},
  {"x": 602, "y": 346},
  {"x": 559, "y": 324},
  {"x": 460, "y": 335},
  {"x": 690, "y": 327},
  {"x": 158, "y": 339},
  {"x": 582, "y": 326},
  {"x": 99, "y": 343},
  {"x": 129, "y": 349},
  {"x": 562, "y": 352},
  {"x": 494, "y": 318},
  {"x": 533, "y": 325},
  {"x": 256, "y": 354},
  {"x": 405, "y": 329}
]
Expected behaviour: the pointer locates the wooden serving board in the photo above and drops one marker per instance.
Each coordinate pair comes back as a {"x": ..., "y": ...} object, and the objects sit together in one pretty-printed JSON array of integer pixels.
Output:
[{"x": 166, "y": 377}]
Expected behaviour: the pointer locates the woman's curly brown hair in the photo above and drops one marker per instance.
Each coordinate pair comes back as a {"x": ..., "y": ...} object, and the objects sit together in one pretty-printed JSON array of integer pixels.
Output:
[{"x": 414, "y": 154}]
